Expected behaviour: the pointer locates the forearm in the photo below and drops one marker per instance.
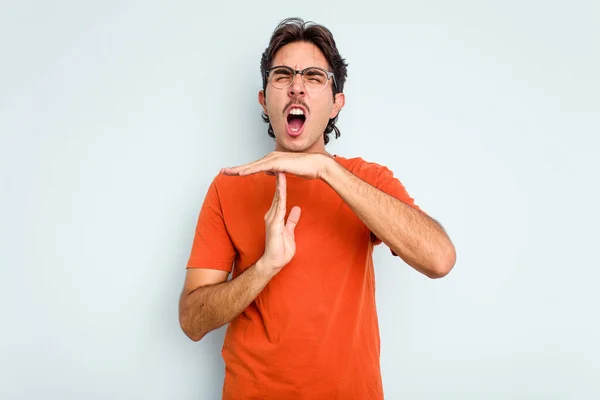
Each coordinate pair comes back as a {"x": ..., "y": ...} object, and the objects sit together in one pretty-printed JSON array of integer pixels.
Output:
[
  {"x": 416, "y": 238},
  {"x": 210, "y": 307}
]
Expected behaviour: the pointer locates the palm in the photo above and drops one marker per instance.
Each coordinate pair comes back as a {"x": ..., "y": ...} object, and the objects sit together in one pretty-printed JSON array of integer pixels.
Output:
[
  {"x": 280, "y": 244},
  {"x": 289, "y": 246},
  {"x": 288, "y": 237}
]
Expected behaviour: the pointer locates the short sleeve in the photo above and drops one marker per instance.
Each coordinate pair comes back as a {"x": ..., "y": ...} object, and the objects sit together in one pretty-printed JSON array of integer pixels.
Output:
[
  {"x": 388, "y": 183},
  {"x": 212, "y": 247}
]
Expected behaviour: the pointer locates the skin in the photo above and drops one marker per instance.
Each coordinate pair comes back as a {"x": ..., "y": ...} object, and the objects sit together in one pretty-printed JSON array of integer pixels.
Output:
[
  {"x": 208, "y": 301},
  {"x": 322, "y": 104}
]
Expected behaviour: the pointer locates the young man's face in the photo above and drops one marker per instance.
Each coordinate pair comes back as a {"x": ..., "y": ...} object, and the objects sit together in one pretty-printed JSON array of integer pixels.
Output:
[{"x": 293, "y": 132}]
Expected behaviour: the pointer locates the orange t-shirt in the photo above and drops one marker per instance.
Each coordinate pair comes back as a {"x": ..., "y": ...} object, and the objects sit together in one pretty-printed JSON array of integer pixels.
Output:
[{"x": 312, "y": 333}]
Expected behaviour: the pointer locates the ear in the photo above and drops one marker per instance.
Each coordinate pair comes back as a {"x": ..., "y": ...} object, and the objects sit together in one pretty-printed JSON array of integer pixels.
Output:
[
  {"x": 338, "y": 102},
  {"x": 263, "y": 101}
]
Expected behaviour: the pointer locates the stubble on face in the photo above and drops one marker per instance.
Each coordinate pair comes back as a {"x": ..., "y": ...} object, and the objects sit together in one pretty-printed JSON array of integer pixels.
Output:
[{"x": 319, "y": 104}]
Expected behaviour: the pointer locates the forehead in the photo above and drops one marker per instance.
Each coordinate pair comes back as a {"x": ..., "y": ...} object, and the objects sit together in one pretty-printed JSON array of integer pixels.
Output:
[{"x": 300, "y": 55}]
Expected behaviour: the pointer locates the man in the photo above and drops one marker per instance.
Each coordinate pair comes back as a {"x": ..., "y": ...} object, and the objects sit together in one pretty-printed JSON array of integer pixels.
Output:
[{"x": 301, "y": 301}]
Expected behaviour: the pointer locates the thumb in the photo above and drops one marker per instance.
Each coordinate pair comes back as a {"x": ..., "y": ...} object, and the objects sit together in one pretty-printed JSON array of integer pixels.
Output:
[{"x": 293, "y": 219}]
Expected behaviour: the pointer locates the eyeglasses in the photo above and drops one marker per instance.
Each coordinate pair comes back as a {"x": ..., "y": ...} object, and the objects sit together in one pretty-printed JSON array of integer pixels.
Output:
[{"x": 313, "y": 78}]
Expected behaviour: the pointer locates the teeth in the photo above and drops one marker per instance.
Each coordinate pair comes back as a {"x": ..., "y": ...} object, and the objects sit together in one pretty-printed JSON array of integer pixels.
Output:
[{"x": 296, "y": 111}]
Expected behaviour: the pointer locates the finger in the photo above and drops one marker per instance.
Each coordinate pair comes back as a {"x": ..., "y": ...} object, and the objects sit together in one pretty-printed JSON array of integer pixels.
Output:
[
  {"x": 261, "y": 166},
  {"x": 281, "y": 196},
  {"x": 274, "y": 203},
  {"x": 233, "y": 170},
  {"x": 236, "y": 170},
  {"x": 273, "y": 162},
  {"x": 293, "y": 219}
]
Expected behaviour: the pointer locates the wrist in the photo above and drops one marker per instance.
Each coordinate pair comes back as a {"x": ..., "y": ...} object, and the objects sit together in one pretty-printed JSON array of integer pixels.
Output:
[
  {"x": 331, "y": 169},
  {"x": 328, "y": 169},
  {"x": 263, "y": 269}
]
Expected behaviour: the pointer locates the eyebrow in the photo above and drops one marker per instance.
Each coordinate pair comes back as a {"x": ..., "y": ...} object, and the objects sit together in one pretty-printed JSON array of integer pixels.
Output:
[
  {"x": 314, "y": 72},
  {"x": 299, "y": 69}
]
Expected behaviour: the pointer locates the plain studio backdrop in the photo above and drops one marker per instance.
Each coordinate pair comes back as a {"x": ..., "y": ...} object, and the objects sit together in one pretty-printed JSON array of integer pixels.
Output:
[{"x": 116, "y": 115}]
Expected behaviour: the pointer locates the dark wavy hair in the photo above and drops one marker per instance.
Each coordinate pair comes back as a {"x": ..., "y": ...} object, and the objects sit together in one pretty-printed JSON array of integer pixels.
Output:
[{"x": 292, "y": 30}]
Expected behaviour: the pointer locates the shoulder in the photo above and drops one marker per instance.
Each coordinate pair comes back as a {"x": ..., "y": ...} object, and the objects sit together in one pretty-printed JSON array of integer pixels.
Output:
[
  {"x": 230, "y": 189},
  {"x": 228, "y": 183},
  {"x": 379, "y": 176},
  {"x": 367, "y": 170}
]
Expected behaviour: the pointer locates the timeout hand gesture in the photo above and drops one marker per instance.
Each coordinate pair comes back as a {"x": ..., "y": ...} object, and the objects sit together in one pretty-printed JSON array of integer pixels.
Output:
[
  {"x": 280, "y": 245},
  {"x": 305, "y": 165}
]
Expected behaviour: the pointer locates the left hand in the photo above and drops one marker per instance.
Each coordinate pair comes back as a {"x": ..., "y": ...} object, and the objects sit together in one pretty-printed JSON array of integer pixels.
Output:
[{"x": 305, "y": 165}]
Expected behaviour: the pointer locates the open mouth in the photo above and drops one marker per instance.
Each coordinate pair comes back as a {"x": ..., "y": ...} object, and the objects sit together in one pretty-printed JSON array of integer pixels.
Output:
[{"x": 295, "y": 121}]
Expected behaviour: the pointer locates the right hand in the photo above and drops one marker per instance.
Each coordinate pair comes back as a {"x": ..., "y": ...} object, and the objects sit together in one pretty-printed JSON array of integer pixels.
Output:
[{"x": 280, "y": 245}]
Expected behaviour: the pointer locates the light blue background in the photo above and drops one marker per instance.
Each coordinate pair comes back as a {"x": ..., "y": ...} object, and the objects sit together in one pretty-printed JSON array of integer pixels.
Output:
[{"x": 116, "y": 115}]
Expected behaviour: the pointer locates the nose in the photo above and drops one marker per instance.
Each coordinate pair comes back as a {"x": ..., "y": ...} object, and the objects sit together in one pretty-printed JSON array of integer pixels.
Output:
[{"x": 297, "y": 86}]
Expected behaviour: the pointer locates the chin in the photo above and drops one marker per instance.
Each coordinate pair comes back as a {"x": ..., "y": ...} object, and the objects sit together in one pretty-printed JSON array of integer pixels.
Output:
[
  {"x": 298, "y": 144},
  {"x": 283, "y": 145}
]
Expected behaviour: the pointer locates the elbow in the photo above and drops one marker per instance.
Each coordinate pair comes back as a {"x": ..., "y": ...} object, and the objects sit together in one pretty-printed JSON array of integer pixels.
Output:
[
  {"x": 193, "y": 335},
  {"x": 194, "y": 338},
  {"x": 437, "y": 273},
  {"x": 192, "y": 332},
  {"x": 443, "y": 264}
]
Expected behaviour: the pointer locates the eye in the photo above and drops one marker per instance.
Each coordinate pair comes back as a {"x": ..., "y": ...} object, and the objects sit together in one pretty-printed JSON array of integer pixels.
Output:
[
  {"x": 315, "y": 76},
  {"x": 281, "y": 73}
]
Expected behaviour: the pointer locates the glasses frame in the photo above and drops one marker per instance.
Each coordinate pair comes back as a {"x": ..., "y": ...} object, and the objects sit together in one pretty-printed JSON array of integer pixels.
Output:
[{"x": 330, "y": 75}]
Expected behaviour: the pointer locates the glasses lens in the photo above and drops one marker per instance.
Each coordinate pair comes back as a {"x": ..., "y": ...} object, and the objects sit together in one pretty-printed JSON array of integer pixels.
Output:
[
  {"x": 314, "y": 79},
  {"x": 281, "y": 77}
]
